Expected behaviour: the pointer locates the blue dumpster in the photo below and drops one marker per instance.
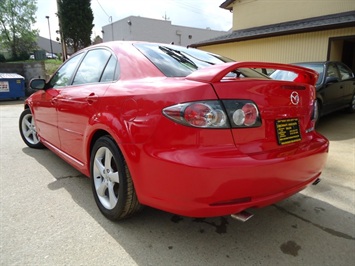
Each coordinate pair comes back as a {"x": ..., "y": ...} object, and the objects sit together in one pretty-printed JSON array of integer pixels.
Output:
[{"x": 11, "y": 86}]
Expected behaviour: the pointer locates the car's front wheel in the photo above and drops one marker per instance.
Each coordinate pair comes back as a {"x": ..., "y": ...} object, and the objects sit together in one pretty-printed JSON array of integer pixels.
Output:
[
  {"x": 319, "y": 110},
  {"x": 28, "y": 130},
  {"x": 112, "y": 184},
  {"x": 351, "y": 108}
]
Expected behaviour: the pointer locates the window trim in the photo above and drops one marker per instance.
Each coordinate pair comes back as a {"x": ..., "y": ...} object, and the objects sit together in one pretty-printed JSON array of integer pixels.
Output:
[
  {"x": 116, "y": 75},
  {"x": 84, "y": 53}
]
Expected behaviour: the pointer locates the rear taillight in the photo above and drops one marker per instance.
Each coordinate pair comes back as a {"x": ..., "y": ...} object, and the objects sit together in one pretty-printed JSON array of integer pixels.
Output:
[
  {"x": 208, "y": 114},
  {"x": 246, "y": 116},
  {"x": 204, "y": 115},
  {"x": 242, "y": 113},
  {"x": 215, "y": 114}
]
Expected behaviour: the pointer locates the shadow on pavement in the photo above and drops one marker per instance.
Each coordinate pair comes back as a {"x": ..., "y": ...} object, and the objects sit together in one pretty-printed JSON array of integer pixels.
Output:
[
  {"x": 337, "y": 126},
  {"x": 11, "y": 101}
]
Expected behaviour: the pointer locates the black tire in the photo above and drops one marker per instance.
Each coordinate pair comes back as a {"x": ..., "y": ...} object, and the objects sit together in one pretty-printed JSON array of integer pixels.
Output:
[
  {"x": 351, "y": 108},
  {"x": 28, "y": 130},
  {"x": 108, "y": 169},
  {"x": 319, "y": 110}
]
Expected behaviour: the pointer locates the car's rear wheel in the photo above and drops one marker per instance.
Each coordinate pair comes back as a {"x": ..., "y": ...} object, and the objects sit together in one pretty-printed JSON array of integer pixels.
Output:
[
  {"x": 28, "y": 130},
  {"x": 351, "y": 108},
  {"x": 112, "y": 184}
]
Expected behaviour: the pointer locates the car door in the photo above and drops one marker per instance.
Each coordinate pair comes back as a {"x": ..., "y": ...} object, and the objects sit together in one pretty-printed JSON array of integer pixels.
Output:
[
  {"x": 45, "y": 113},
  {"x": 347, "y": 83},
  {"x": 78, "y": 104},
  {"x": 45, "y": 102},
  {"x": 331, "y": 91}
]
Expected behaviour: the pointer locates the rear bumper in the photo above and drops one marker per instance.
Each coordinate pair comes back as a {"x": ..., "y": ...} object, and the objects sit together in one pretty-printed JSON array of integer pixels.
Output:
[{"x": 207, "y": 182}]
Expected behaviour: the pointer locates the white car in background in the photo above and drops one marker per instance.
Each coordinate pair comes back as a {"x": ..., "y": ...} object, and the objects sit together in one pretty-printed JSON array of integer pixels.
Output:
[{"x": 51, "y": 56}]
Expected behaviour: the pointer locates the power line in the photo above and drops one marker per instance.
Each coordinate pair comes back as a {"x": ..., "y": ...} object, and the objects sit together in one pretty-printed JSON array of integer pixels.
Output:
[
  {"x": 104, "y": 10},
  {"x": 187, "y": 5}
]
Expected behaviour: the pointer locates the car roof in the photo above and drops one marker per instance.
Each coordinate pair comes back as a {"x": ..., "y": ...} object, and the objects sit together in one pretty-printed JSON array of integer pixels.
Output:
[{"x": 318, "y": 62}]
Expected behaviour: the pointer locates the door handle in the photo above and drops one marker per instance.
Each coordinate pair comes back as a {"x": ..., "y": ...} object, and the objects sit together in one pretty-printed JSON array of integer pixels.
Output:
[
  {"x": 54, "y": 101},
  {"x": 92, "y": 98}
]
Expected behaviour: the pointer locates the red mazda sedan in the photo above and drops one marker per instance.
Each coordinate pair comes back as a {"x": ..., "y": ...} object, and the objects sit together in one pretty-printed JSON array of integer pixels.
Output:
[{"x": 178, "y": 129}]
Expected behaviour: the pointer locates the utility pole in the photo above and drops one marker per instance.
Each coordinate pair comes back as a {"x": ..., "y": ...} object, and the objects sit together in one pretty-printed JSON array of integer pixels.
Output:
[
  {"x": 50, "y": 38},
  {"x": 64, "y": 46}
]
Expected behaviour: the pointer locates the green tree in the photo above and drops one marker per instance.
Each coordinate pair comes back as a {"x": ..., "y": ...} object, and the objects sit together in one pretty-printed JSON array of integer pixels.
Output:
[
  {"x": 75, "y": 18},
  {"x": 97, "y": 40},
  {"x": 16, "y": 20}
]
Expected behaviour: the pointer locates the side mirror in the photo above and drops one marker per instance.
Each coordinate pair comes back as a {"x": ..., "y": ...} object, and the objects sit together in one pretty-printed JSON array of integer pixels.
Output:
[
  {"x": 330, "y": 80},
  {"x": 37, "y": 84}
]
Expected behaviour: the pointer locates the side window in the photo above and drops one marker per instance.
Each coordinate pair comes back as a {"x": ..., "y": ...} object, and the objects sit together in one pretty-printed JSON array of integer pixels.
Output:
[
  {"x": 110, "y": 71},
  {"x": 91, "y": 68},
  {"x": 63, "y": 76},
  {"x": 332, "y": 71},
  {"x": 345, "y": 73}
]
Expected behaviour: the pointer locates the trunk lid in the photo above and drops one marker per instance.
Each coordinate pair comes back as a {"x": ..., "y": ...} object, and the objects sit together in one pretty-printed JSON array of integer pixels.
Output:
[{"x": 285, "y": 108}]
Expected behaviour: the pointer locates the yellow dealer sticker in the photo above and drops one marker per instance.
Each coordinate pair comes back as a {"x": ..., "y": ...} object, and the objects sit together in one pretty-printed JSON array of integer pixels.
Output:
[{"x": 288, "y": 131}]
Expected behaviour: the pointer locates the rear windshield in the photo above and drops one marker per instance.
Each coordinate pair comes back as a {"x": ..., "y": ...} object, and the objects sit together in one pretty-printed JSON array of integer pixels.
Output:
[{"x": 177, "y": 61}]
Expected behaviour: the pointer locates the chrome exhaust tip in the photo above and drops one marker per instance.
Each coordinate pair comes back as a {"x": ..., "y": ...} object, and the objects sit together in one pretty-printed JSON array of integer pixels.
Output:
[{"x": 242, "y": 216}]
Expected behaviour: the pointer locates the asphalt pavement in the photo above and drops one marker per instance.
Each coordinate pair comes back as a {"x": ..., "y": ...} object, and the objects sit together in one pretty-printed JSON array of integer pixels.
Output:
[{"x": 48, "y": 215}]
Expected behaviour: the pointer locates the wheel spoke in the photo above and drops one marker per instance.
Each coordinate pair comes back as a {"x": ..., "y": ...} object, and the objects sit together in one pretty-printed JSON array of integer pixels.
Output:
[
  {"x": 108, "y": 157},
  {"x": 35, "y": 137},
  {"x": 113, "y": 176},
  {"x": 27, "y": 133},
  {"x": 101, "y": 189},
  {"x": 99, "y": 166},
  {"x": 27, "y": 123},
  {"x": 111, "y": 194}
]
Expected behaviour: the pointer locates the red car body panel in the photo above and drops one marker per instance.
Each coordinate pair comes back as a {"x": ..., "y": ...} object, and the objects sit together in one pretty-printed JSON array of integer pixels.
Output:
[{"x": 186, "y": 170}]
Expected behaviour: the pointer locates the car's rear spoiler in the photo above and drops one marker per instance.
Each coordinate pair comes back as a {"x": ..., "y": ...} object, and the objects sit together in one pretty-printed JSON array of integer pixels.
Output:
[{"x": 216, "y": 73}]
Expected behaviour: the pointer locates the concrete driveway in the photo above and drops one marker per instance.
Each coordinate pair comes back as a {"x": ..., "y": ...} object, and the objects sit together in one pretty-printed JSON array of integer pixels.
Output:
[{"x": 49, "y": 217}]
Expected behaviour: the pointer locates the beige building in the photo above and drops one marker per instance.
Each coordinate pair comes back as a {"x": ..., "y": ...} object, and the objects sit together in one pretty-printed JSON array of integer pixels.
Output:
[{"x": 288, "y": 31}]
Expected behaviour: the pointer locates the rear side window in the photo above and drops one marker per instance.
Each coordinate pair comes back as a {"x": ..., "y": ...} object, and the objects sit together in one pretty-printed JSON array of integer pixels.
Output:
[
  {"x": 345, "y": 73},
  {"x": 332, "y": 71},
  {"x": 93, "y": 65},
  {"x": 110, "y": 70}
]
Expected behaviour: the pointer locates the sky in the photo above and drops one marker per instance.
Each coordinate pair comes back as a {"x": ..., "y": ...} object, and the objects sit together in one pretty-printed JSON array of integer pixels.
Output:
[{"x": 197, "y": 13}]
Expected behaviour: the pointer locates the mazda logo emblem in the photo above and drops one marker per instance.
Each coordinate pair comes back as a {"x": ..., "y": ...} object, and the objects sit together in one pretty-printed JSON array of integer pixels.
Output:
[{"x": 295, "y": 98}]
